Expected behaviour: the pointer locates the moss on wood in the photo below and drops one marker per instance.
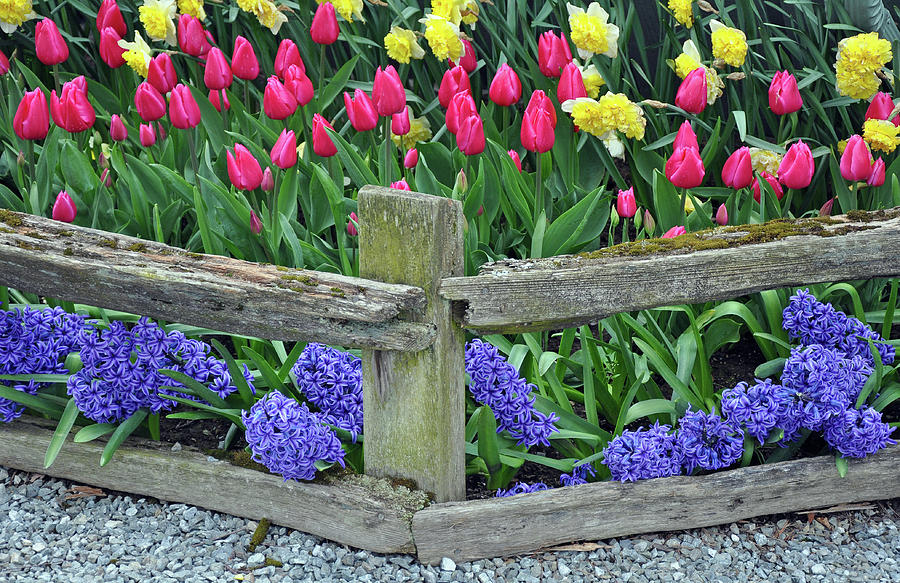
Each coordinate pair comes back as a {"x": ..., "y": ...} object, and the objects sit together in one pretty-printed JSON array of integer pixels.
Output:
[
  {"x": 259, "y": 535},
  {"x": 111, "y": 243},
  {"x": 137, "y": 247},
  {"x": 10, "y": 218}
]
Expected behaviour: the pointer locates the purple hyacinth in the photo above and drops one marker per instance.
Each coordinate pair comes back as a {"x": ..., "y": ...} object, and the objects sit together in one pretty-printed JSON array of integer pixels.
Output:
[
  {"x": 704, "y": 440},
  {"x": 522, "y": 488},
  {"x": 332, "y": 381},
  {"x": 858, "y": 432},
  {"x": 758, "y": 407},
  {"x": 578, "y": 476},
  {"x": 820, "y": 385},
  {"x": 496, "y": 383},
  {"x": 642, "y": 454},
  {"x": 34, "y": 342},
  {"x": 811, "y": 322},
  {"x": 286, "y": 437}
]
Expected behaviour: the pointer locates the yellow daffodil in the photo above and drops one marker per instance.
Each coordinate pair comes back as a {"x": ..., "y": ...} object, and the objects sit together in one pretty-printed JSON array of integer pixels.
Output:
[
  {"x": 592, "y": 79},
  {"x": 841, "y": 146},
  {"x": 881, "y": 135},
  {"x": 158, "y": 18},
  {"x": 688, "y": 60},
  {"x": 449, "y": 9},
  {"x": 612, "y": 112},
  {"x": 683, "y": 12},
  {"x": 591, "y": 32},
  {"x": 348, "y": 9},
  {"x": 137, "y": 54},
  {"x": 401, "y": 45},
  {"x": 443, "y": 38},
  {"x": 13, "y": 13},
  {"x": 765, "y": 161},
  {"x": 266, "y": 13},
  {"x": 858, "y": 59},
  {"x": 419, "y": 131},
  {"x": 471, "y": 12},
  {"x": 728, "y": 44},
  {"x": 192, "y": 7}
]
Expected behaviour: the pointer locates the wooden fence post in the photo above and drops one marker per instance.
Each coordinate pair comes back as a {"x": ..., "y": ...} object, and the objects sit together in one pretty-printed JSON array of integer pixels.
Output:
[{"x": 414, "y": 402}]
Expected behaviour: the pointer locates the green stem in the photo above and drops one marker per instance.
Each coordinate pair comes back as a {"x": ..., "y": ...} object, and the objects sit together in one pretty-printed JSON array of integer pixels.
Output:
[
  {"x": 247, "y": 95},
  {"x": 386, "y": 177},
  {"x": 683, "y": 199},
  {"x": 321, "y": 66},
  {"x": 29, "y": 157},
  {"x": 538, "y": 190},
  {"x": 56, "y": 77},
  {"x": 625, "y": 236},
  {"x": 194, "y": 163}
]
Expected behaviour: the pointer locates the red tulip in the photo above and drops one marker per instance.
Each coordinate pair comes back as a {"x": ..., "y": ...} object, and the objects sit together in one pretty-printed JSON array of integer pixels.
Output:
[
  {"x": 192, "y": 37},
  {"x": 722, "y": 215},
  {"x": 216, "y": 100},
  {"x": 797, "y": 167},
  {"x": 161, "y": 73},
  {"x": 110, "y": 15},
  {"x": 411, "y": 158},
  {"x": 784, "y": 97},
  {"x": 515, "y": 158},
  {"x": 684, "y": 168},
  {"x": 255, "y": 223},
  {"x": 284, "y": 152},
  {"x": 626, "y": 206},
  {"x": 298, "y": 83},
  {"x": 400, "y": 123},
  {"x": 468, "y": 61},
  {"x": 243, "y": 169},
  {"x": 4, "y": 63},
  {"x": 117, "y": 130},
  {"x": 387, "y": 92},
  {"x": 147, "y": 135},
  {"x": 110, "y": 51},
  {"x": 278, "y": 102},
  {"x": 553, "y": 54},
  {"x": 287, "y": 55},
  {"x": 244, "y": 64},
  {"x": 461, "y": 106},
  {"x": 506, "y": 89},
  {"x": 351, "y": 225},
  {"x": 881, "y": 107},
  {"x": 674, "y": 232},
  {"x": 268, "y": 181},
  {"x": 453, "y": 81},
  {"x": 773, "y": 182},
  {"x": 738, "y": 169},
  {"x": 322, "y": 144},
  {"x": 877, "y": 176},
  {"x": 691, "y": 95},
  {"x": 324, "y": 28},
  {"x": 400, "y": 185},
  {"x": 32, "y": 119},
  {"x": 686, "y": 138},
  {"x": 149, "y": 102},
  {"x": 183, "y": 109},
  {"x": 72, "y": 111},
  {"x": 470, "y": 137},
  {"x": 856, "y": 161},
  {"x": 49, "y": 44},
  {"x": 64, "y": 208},
  {"x": 571, "y": 84},
  {"x": 539, "y": 124},
  {"x": 361, "y": 111},
  {"x": 217, "y": 74}
]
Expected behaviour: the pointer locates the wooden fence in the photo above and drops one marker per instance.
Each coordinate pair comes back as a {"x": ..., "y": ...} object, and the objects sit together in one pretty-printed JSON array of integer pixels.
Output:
[{"x": 409, "y": 312}]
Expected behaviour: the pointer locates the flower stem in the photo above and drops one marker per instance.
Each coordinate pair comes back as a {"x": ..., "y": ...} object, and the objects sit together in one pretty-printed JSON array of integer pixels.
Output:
[
  {"x": 321, "y": 66},
  {"x": 386, "y": 178},
  {"x": 538, "y": 190},
  {"x": 194, "y": 163},
  {"x": 683, "y": 199}
]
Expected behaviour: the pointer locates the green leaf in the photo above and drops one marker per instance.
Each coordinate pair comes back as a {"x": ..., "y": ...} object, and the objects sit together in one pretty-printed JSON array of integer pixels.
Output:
[
  {"x": 36, "y": 402},
  {"x": 337, "y": 84},
  {"x": 77, "y": 169},
  {"x": 488, "y": 449},
  {"x": 92, "y": 432},
  {"x": 237, "y": 375},
  {"x": 66, "y": 421},
  {"x": 194, "y": 387},
  {"x": 125, "y": 429},
  {"x": 649, "y": 407},
  {"x": 842, "y": 466},
  {"x": 357, "y": 168},
  {"x": 576, "y": 227},
  {"x": 771, "y": 368}
]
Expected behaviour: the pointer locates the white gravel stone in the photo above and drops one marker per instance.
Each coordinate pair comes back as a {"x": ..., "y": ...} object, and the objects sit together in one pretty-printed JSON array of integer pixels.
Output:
[{"x": 447, "y": 564}]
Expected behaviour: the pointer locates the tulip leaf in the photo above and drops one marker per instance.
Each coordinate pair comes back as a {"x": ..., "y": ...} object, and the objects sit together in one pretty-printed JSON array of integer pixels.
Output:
[
  {"x": 211, "y": 121},
  {"x": 337, "y": 83},
  {"x": 666, "y": 201},
  {"x": 579, "y": 225},
  {"x": 740, "y": 119}
]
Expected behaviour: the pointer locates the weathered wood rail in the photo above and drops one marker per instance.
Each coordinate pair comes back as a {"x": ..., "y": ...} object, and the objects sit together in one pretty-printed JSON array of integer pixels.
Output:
[{"x": 408, "y": 318}]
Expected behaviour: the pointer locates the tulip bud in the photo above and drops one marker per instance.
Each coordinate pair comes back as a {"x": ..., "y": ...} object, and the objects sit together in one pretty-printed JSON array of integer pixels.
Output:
[
  {"x": 571, "y": 84},
  {"x": 468, "y": 61},
  {"x": 877, "y": 176},
  {"x": 72, "y": 111},
  {"x": 462, "y": 183},
  {"x": 686, "y": 138},
  {"x": 773, "y": 182},
  {"x": 287, "y": 55},
  {"x": 324, "y": 28},
  {"x": 268, "y": 181},
  {"x": 649, "y": 222},
  {"x": 461, "y": 106},
  {"x": 105, "y": 178},
  {"x": 856, "y": 161},
  {"x": 400, "y": 122},
  {"x": 149, "y": 102},
  {"x": 147, "y": 135},
  {"x": 684, "y": 168},
  {"x": 674, "y": 232},
  {"x": 352, "y": 224},
  {"x": 110, "y": 16},
  {"x": 102, "y": 160},
  {"x": 515, "y": 158},
  {"x": 49, "y": 44},
  {"x": 470, "y": 137},
  {"x": 110, "y": 51},
  {"x": 881, "y": 107},
  {"x": 191, "y": 36},
  {"x": 117, "y": 130},
  {"x": 32, "y": 119},
  {"x": 244, "y": 64},
  {"x": 255, "y": 223},
  {"x": 722, "y": 215},
  {"x": 691, "y": 95},
  {"x": 278, "y": 102},
  {"x": 322, "y": 144},
  {"x": 506, "y": 89},
  {"x": 387, "y": 92},
  {"x": 284, "y": 152},
  {"x": 64, "y": 208},
  {"x": 4, "y": 64},
  {"x": 217, "y": 74},
  {"x": 825, "y": 211},
  {"x": 614, "y": 218},
  {"x": 538, "y": 124},
  {"x": 400, "y": 185},
  {"x": 243, "y": 169},
  {"x": 553, "y": 54},
  {"x": 161, "y": 73},
  {"x": 411, "y": 158},
  {"x": 738, "y": 169},
  {"x": 216, "y": 100},
  {"x": 453, "y": 81},
  {"x": 626, "y": 206},
  {"x": 298, "y": 83},
  {"x": 797, "y": 167},
  {"x": 183, "y": 109},
  {"x": 784, "y": 97},
  {"x": 361, "y": 111}
]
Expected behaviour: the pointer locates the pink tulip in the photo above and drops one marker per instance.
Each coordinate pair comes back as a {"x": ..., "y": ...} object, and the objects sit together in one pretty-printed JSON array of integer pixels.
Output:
[
  {"x": 287, "y": 55},
  {"x": 387, "y": 92},
  {"x": 674, "y": 232},
  {"x": 216, "y": 100},
  {"x": 461, "y": 106},
  {"x": 64, "y": 208},
  {"x": 826, "y": 209},
  {"x": 117, "y": 130},
  {"x": 110, "y": 51},
  {"x": 684, "y": 168},
  {"x": 878, "y": 172},
  {"x": 453, "y": 81},
  {"x": 685, "y": 138},
  {"x": 244, "y": 170},
  {"x": 506, "y": 89},
  {"x": 553, "y": 54},
  {"x": 72, "y": 111},
  {"x": 784, "y": 97},
  {"x": 411, "y": 158},
  {"x": 284, "y": 152},
  {"x": 147, "y": 135},
  {"x": 217, "y": 74},
  {"x": 400, "y": 185},
  {"x": 400, "y": 122},
  {"x": 4, "y": 64},
  {"x": 49, "y": 45},
  {"x": 183, "y": 109},
  {"x": 538, "y": 124},
  {"x": 516, "y": 159},
  {"x": 691, "y": 95},
  {"x": 571, "y": 84},
  {"x": 298, "y": 83},
  {"x": 268, "y": 181},
  {"x": 881, "y": 107},
  {"x": 324, "y": 28},
  {"x": 255, "y": 223},
  {"x": 797, "y": 167},
  {"x": 626, "y": 206},
  {"x": 468, "y": 61},
  {"x": 149, "y": 102},
  {"x": 278, "y": 102},
  {"x": 109, "y": 15},
  {"x": 738, "y": 169},
  {"x": 192, "y": 38},
  {"x": 322, "y": 144},
  {"x": 32, "y": 118},
  {"x": 773, "y": 182},
  {"x": 351, "y": 225},
  {"x": 856, "y": 161},
  {"x": 361, "y": 111},
  {"x": 244, "y": 64},
  {"x": 722, "y": 215},
  {"x": 161, "y": 73},
  {"x": 470, "y": 137}
]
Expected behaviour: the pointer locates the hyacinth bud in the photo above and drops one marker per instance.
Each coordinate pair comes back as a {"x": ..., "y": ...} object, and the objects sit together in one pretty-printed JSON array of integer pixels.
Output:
[
  {"x": 506, "y": 89},
  {"x": 462, "y": 183},
  {"x": 773, "y": 182},
  {"x": 411, "y": 158},
  {"x": 400, "y": 122},
  {"x": 722, "y": 215},
  {"x": 147, "y": 135},
  {"x": 784, "y": 97},
  {"x": 649, "y": 222},
  {"x": 674, "y": 232},
  {"x": 268, "y": 181},
  {"x": 20, "y": 159},
  {"x": 825, "y": 211},
  {"x": 324, "y": 29},
  {"x": 244, "y": 64},
  {"x": 691, "y": 95},
  {"x": 400, "y": 185},
  {"x": 515, "y": 158},
  {"x": 878, "y": 173},
  {"x": 468, "y": 61},
  {"x": 353, "y": 223},
  {"x": 255, "y": 223},
  {"x": 64, "y": 208},
  {"x": 738, "y": 169},
  {"x": 626, "y": 206}
]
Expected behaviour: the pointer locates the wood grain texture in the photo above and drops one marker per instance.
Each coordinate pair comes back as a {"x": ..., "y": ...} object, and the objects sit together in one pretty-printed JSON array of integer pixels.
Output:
[
  {"x": 414, "y": 402},
  {"x": 358, "y": 511},
  {"x": 114, "y": 271},
  {"x": 507, "y": 526},
  {"x": 521, "y": 295}
]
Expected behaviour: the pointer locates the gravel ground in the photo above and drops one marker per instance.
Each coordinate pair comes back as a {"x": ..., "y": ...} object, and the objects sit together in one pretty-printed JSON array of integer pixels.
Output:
[{"x": 46, "y": 537}]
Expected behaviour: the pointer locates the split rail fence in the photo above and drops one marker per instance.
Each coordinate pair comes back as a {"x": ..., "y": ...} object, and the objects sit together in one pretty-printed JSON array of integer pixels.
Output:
[{"x": 408, "y": 313}]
